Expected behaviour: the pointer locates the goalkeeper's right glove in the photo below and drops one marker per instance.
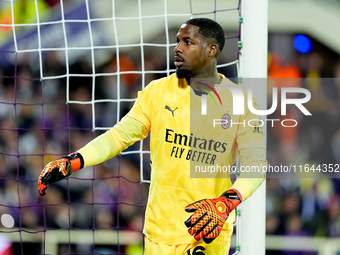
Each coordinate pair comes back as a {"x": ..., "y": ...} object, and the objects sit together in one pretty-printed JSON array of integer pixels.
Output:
[
  {"x": 58, "y": 170},
  {"x": 209, "y": 215}
]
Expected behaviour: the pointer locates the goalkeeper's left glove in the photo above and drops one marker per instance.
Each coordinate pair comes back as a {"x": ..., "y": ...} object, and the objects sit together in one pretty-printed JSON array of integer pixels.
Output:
[
  {"x": 209, "y": 215},
  {"x": 58, "y": 170}
]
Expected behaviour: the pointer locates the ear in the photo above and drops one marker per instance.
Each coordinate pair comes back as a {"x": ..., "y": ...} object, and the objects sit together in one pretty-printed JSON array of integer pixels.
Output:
[{"x": 213, "y": 50}]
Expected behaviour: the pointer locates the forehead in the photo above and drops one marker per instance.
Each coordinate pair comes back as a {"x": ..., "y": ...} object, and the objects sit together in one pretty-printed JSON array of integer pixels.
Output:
[{"x": 187, "y": 30}]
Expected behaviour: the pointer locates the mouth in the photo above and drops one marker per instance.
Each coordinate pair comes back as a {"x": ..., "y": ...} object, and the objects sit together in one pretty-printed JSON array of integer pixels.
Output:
[{"x": 178, "y": 61}]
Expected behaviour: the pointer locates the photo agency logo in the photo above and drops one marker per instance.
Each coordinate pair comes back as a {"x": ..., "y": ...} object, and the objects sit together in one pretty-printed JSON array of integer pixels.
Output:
[{"x": 288, "y": 96}]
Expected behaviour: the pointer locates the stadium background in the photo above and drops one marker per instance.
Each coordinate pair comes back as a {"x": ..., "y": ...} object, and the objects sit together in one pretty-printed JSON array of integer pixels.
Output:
[{"x": 304, "y": 207}]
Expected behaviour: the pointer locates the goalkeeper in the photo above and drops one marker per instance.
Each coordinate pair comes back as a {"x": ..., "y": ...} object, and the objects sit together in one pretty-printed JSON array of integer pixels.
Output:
[{"x": 184, "y": 215}]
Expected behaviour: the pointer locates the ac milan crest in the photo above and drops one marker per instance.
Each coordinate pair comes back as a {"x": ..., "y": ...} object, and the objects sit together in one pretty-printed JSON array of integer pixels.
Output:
[{"x": 226, "y": 120}]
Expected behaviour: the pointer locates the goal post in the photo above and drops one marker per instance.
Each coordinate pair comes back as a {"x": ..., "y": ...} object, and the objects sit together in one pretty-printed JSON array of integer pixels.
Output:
[{"x": 253, "y": 65}]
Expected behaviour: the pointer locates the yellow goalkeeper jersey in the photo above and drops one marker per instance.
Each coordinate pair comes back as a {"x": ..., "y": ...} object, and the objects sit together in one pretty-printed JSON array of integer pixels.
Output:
[{"x": 184, "y": 147}]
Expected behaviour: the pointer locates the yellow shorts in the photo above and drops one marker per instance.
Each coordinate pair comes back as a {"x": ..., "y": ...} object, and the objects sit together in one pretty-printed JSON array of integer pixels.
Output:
[{"x": 196, "y": 248}]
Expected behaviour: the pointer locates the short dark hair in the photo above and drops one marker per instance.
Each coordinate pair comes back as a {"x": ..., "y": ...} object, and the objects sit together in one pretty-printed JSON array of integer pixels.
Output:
[{"x": 209, "y": 29}]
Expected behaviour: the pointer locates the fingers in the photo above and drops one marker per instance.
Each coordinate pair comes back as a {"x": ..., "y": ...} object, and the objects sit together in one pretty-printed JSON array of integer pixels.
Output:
[
  {"x": 208, "y": 240},
  {"x": 45, "y": 178},
  {"x": 201, "y": 232},
  {"x": 199, "y": 226},
  {"x": 41, "y": 188},
  {"x": 41, "y": 182},
  {"x": 211, "y": 235},
  {"x": 192, "y": 207},
  {"x": 188, "y": 222},
  {"x": 204, "y": 228},
  {"x": 204, "y": 223},
  {"x": 42, "y": 192},
  {"x": 48, "y": 175}
]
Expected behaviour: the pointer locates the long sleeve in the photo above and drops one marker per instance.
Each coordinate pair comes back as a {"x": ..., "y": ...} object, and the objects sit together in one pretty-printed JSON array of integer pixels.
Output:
[
  {"x": 252, "y": 154},
  {"x": 247, "y": 185},
  {"x": 111, "y": 143}
]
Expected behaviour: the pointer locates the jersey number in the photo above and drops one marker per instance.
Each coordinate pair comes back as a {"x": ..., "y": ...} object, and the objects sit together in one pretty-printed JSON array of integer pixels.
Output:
[{"x": 197, "y": 251}]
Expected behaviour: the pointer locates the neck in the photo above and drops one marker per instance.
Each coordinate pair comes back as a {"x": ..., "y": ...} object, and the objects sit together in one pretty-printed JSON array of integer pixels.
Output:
[{"x": 214, "y": 76}]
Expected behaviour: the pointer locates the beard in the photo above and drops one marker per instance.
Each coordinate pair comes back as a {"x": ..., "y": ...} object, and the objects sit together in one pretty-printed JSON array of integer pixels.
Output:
[{"x": 183, "y": 73}]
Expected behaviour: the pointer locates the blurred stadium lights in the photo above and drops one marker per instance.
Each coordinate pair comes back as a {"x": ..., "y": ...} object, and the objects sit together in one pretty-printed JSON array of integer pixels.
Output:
[
  {"x": 318, "y": 19},
  {"x": 302, "y": 44}
]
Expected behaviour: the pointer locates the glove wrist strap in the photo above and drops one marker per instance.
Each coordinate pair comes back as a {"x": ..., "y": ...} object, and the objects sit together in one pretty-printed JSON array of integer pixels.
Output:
[
  {"x": 234, "y": 196},
  {"x": 76, "y": 161}
]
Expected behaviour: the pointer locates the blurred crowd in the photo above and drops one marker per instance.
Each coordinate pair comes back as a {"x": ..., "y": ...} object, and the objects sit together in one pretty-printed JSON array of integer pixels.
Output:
[
  {"x": 37, "y": 126},
  {"x": 310, "y": 206}
]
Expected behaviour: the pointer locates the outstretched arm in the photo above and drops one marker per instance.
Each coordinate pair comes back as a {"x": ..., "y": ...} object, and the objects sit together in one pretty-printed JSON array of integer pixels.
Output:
[
  {"x": 122, "y": 135},
  {"x": 111, "y": 143}
]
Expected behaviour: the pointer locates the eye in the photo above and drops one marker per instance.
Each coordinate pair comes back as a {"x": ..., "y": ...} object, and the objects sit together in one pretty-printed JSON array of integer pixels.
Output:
[{"x": 187, "y": 42}]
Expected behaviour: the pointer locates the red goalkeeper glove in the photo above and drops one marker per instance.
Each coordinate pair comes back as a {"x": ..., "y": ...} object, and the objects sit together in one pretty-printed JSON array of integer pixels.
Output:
[
  {"x": 209, "y": 215},
  {"x": 58, "y": 170}
]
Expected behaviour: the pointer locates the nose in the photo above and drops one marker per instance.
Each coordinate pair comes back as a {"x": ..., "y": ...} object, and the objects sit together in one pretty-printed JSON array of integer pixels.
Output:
[{"x": 178, "y": 48}]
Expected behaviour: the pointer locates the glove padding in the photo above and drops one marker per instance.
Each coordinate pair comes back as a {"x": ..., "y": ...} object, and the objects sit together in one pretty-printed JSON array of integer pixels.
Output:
[
  {"x": 209, "y": 215},
  {"x": 58, "y": 170}
]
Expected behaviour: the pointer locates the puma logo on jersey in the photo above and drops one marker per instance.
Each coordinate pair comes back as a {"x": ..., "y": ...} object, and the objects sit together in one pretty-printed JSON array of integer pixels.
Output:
[{"x": 172, "y": 111}]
